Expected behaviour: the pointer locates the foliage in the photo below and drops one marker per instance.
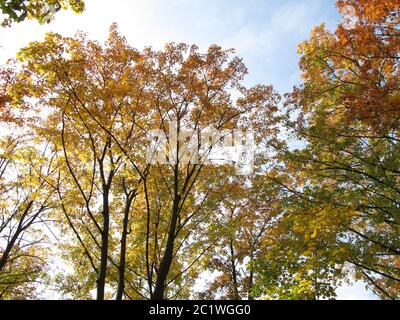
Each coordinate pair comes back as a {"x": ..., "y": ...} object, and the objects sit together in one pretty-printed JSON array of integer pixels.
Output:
[
  {"x": 42, "y": 10},
  {"x": 320, "y": 207},
  {"x": 348, "y": 121}
]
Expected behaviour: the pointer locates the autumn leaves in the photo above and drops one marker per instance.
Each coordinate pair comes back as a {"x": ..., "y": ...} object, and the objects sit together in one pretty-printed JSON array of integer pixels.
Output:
[
  {"x": 137, "y": 228},
  {"x": 349, "y": 121},
  {"x": 301, "y": 224}
]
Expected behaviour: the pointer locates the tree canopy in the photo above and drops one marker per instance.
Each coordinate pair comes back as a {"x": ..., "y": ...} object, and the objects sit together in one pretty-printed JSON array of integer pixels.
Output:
[{"x": 149, "y": 171}]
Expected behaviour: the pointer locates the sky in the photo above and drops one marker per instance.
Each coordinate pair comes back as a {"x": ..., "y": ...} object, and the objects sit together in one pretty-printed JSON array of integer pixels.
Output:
[{"x": 265, "y": 33}]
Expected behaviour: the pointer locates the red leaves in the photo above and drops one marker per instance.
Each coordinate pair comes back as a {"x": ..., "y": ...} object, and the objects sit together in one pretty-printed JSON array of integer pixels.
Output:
[{"x": 358, "y": 65}]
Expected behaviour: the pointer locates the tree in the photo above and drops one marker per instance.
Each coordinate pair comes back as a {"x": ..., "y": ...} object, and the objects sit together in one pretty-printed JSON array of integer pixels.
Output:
[
  {"x": 9, "y": 115},
  {"x": 347, "y": 120},
  {"x": 194, "y": 95},
  {"x": 242, "y": 226},
  {"x": 42, "y": 10},
  {"x": 89, "y": 105},
  {"x": 25, "y": 200},
  {"x": 103, "y": 103},
  {"x": 306, "y": 255},
  {"x": 24, "y": 205}
]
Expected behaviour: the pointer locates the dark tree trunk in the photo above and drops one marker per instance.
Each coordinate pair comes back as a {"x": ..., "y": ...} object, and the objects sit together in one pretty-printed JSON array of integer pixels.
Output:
[
  {"x": 251, "y": 278},
  {"x": 14, "y": 238},
  {"x": 165, "y": 264},
  {"x": 101, "y": 279},
  {"x": 7, "y": 251},
  {"x": 234, "y": 273},
  {"x": 122, "y": 258}
]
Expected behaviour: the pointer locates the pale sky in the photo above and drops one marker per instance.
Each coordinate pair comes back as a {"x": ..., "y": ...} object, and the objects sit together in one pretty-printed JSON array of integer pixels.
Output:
[{"x": 265, "y": 33}]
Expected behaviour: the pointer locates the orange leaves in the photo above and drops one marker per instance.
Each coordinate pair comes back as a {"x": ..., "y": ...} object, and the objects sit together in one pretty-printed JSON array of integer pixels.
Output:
[
  {"x": 347, "y": 114},
  {"x": 103, "y": 101},
  {"x": 9, "y": 114},
  {"x": 4, "y": 97},
  {"x": 357, "y": 66},
  {"x": 371, "y": 11}
]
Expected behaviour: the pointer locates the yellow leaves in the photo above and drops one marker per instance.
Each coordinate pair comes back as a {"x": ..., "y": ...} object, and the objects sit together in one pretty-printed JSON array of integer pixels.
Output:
[
  {"x": 388, "y": 68},
  {"x": 305, "y": 286},
  {"x": 377, "y": 10},
  {"x": 360, "y": 60},
  {"x": 314, "y": 234}
]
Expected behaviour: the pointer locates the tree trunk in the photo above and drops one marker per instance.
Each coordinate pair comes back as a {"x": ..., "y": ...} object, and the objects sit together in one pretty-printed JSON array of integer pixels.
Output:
[
  {"x": 234, "y": 273},
  {"x": 101, "y": 279},
  {"x": 251, "y": 278},
  {"x": 18, "y": 231},
  {"x": 165, "y": 264},
  {"x": 7, "y": 251},
  {"x": 122, "y": 258}
]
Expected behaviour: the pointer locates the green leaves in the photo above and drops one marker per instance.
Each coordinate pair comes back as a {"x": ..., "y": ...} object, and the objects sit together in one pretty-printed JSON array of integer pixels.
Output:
[
  {"x": 133, "y": 229},
  {"x": 350, "y": 129},
  {"x": 42, "y": 10}
]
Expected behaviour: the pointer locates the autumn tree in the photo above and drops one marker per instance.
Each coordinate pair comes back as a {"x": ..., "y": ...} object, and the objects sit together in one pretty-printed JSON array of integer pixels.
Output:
[
  {"x": 347, "y": 120},
  {"x": 192, "y": 92},
  {"x": 102, "y": 104},
  {"x": 25, "y": 202},
  {"x": 306, "y": 256},
  {"x": 242, "y": 229},
  {"x": 24, "y": 199},
  {"x": 93, "y": 123}
]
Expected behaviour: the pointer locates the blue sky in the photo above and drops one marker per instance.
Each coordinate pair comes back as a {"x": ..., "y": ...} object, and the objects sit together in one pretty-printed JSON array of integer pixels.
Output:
[{"x": 265, "y": 33}]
